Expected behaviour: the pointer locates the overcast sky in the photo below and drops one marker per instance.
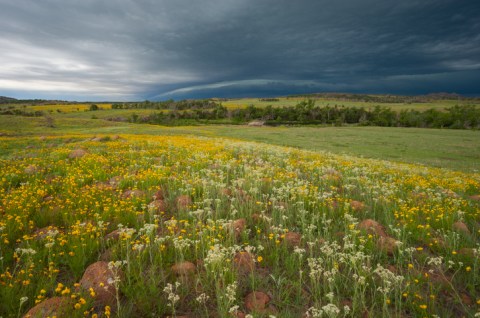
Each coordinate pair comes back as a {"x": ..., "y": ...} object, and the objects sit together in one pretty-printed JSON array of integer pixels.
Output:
[{"x": 160, "y": 49}]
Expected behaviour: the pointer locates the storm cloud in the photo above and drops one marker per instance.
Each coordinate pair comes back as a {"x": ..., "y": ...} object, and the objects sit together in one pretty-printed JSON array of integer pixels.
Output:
[{"x": 130, "y": 50}]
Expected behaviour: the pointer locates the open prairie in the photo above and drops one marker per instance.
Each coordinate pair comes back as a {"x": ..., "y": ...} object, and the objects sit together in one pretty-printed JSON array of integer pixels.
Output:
[{"x": 101, "y": 219}]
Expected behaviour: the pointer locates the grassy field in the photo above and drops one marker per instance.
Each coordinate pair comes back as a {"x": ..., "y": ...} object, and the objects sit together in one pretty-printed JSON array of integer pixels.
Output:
[
  {"x": 452, "y": 149},
  {"x": 102, "y": 219},
  {"x": 282, "y": 102},
  {"x": 440, "y": 104}
]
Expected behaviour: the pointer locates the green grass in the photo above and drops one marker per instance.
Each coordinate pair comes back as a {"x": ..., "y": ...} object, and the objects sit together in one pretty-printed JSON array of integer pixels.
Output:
[
  {"x": 440, "y": 104},
  {"x": 296, "y": 225},
  {"x": 452, "y": 149}
]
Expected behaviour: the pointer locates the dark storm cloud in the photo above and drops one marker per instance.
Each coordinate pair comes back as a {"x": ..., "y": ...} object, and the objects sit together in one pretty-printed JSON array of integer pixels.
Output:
[{"x": 160, "y": 49}]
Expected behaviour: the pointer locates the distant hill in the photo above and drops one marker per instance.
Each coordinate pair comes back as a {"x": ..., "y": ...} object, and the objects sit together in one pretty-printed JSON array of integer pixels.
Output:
[
  {"x": 7, "y": 100},
  {"x": 387, "y": 98}
]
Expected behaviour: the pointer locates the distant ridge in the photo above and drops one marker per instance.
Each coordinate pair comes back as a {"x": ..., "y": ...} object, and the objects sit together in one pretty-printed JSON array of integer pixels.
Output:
[
  {"x": 387, "y": 98},
  {"x": 10, "y": 100},
  {"x": 5, "y": 100}
]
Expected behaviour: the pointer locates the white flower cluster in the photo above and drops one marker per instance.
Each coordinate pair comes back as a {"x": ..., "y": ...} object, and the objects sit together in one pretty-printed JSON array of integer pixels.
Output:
[{"x": 171, "y": 292}]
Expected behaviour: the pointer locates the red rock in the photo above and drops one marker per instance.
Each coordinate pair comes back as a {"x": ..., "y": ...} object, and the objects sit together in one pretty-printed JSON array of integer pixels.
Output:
[
  {"x": 293, "y": 239},
  {"x": 357, "y": 206},
  {"x": 466, "y": 299},
  {"x": 114, "y": 235},
  {"x": 183, "y": 201},
  {"x": 106, "y": 256},
  {"x": 55, "y": 306},
  {"x": 77, "y": 153},
  {"x": 158, "y": 206},
  {"x": 184, "y": 268},
  {"x": 475, "y": 197},
  {"x": 238, "y": 226},
  {"x": 387, "y": 244},
  {"x": 115, "y": 181},
  {"x": 392, "y": 268},
  {"x": 97, "y": 276},
  {"x": 43, "y": 232},
  {"x": 461, "y": 227},
  {"x": 133, "y": 194},
  {"x": 31, "y": 169},
  {"x": 226, "y": 192},
  {"x": 372, "y": 227},
  {"x": 257, "y": 301},
  {"x": 160, "y": 194},
  {"x": 257, "y": 218},
  {"x": 244, "y": 262}
]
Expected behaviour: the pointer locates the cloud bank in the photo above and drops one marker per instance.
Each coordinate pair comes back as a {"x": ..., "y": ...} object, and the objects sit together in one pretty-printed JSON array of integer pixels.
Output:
[{"x": 130, "y": 50}]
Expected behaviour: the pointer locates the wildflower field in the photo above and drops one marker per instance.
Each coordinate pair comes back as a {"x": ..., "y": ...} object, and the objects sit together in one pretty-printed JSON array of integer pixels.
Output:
[{"x": 157, "y": 226}]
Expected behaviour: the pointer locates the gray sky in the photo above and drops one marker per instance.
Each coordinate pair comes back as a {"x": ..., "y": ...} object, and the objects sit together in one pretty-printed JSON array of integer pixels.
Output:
[{"x": 160, "y": 49}]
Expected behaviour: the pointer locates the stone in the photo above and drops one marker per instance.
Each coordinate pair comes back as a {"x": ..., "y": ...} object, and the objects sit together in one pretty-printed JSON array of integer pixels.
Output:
[
  {"x": 357, "y": 206},
  {"x": 238, "y": 226},
  {"x": 184, "y": 269},
  {"x": 31, "y": 169},
  {"x": 106, "y": 256},
  {"x": 115, "y": 181},
  {"x": 372, "y": 227},
  {"x": 183, "y": 201},
  {"x": 77, "y": 153},
  {"x": 257, "y": 301},
  {"x": 129, "y": 194},
  {"x": 161, "y": 194},
  {"x": 55, "y": 306},
  {"x": 244, "y": 262},
  {"x": 466, "y": 299},
  {"x": 157, "y": 206},
  {"x": 99, "y": 277},
  {"x": 293, "y": 239},
  {"x": 114, "y": 235},
  {"x": 387, "y": 244},
  {"x": 459, "y": 226},
  {"x": 42, "y": 233},
  {"x": 226, "y": 192},
  {"x": 475, "y": 197}
]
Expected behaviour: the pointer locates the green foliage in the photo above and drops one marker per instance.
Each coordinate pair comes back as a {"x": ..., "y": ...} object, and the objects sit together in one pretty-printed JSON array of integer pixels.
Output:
[{"x": 93, "y": 107}]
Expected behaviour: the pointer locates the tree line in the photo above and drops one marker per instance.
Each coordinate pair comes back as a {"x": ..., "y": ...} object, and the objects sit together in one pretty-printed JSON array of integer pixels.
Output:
[
  {"x": 306, "y": 113},
  {"x": 169, "y": 104}
]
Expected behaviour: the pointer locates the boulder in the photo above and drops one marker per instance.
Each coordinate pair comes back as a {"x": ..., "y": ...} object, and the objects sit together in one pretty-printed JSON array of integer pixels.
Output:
[
  {"x": 55, "y": 306},
  {"x": 238, "y": 226},
  {"x": 372, "y": 227},
  {"x": 99, "y": 277},
  {"x": 257, "y": 301},
  {"x": 475, "y": 197},
  {"x": 293, "y": 239},
  {"x": 42, "y": 233},
  {"x": 77, "y": 153},
  {"x": 157, "y": 206},
  {"x": 357, "y": 206},
  {"x": 387, "y": 244},
  {"x": 31, "y": 169},
  {"x": 129, "y": 194},
  {"x": 461, "y": 227},
  {"x": 244, "y": 262},
  {"x": 183, "y": 201},
  {"x": 184, "y": 269}
]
